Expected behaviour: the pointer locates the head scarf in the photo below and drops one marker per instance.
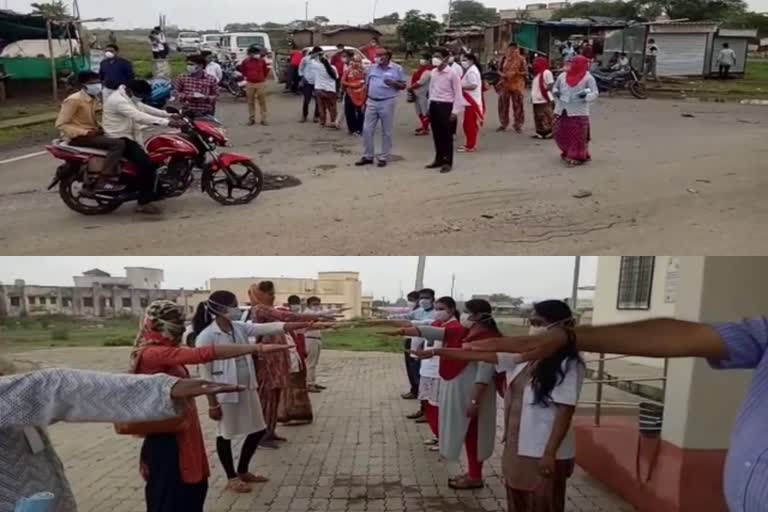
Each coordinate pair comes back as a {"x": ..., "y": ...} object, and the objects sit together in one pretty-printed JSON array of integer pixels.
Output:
[
  {"x": 540, "y": 65},
  {"x": 257, "y": 296},
  {"x": 577, "y": 70},
  {"x": 162, "y": 324}
]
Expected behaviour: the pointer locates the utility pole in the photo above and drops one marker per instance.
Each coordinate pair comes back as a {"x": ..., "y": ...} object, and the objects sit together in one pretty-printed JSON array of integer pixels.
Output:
[
  {"x": 575, "y": 289},
  {"x": 453, "y": 283},
  {"x": 450, "y": 9},
  {"x": 306, "y": 12},
  {"x": 375, "y": 4},
  {"x": 420, "y": 272}
]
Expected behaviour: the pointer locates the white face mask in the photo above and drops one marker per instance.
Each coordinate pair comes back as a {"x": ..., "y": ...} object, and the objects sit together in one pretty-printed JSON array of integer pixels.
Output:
[
  {"x": 442, "y": 315},
  {"x": 109, "y": 55},
  {"x": 425, "y": 304},
  {"x": 423, "y": 62},
  {"x": 536, "y": 330},
  {"x": 411, "y": 304},
  {"x": 466, "y": 322},
  {"x": 465, "y": 64},
  {"x": 93, "y": 90},
  {"x": 231, "y": 313},
  {"x": 437, "y": 62},
  {"x": 295, "y": 308}
]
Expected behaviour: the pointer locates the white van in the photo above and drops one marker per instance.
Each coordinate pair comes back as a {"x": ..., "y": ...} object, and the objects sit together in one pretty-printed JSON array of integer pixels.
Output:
[
  {"x": 211, "y": 41},
  {"x": 237, "y": 43}
]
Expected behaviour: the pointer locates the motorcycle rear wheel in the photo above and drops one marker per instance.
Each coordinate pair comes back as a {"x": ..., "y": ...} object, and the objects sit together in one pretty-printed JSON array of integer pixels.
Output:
[
  {"x": 251, "y": 180},
  {"x": 638, "y": 90},
  {"x": 77, "y": 202}
]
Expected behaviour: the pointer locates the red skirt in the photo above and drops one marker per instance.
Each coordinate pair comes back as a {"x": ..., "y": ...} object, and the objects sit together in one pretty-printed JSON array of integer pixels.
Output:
[{"x": 572, "y": 136}]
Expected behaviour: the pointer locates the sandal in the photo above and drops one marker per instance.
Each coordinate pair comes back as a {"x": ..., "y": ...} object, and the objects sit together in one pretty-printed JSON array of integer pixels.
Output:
[
  {"x": 238, "y": 486},
  {"x": 250, "y": 478},
  {"x": 463, "y": 483}
]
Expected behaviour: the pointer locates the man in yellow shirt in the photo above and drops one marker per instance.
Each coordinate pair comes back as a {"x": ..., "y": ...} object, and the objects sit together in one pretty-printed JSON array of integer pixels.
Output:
[{"x": 78, "y": 124}]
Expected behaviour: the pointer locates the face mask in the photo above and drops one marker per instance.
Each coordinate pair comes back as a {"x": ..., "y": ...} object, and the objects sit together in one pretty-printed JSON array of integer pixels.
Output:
[
  {"x": 425, "y": 303},
  {"x": 535, "y": 331},
  {"x": 256, "y": 56},
  {"x": 451, "y": 60},
  {"x": 231, "y": 313},
  {"x": 93, "y": 89},
  {"x": 109, "y": 55},
  {"x": 316, "y": 308},
  {"x": 465, "y": 64},
  {"x": 295, "y": 308},
  {"x": 437, "y": 62},
  {"x": 411, "y": 304},
  {"x": 466, "y": 322},
  {"x": 442, "y": 315},
  {"x": 193, "y": 68},
  {"x": 423, "y": 62}
]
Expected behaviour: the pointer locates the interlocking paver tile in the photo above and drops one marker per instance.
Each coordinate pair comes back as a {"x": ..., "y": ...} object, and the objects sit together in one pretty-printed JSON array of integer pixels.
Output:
[{"x": 360, "y": 454}]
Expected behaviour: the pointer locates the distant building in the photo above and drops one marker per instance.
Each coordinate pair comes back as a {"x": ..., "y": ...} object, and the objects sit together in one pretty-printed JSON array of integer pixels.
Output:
[
  {"x": 335, "y": 289},
  {"x": 536, "y": 12},
  {"x": 95, "y": 294}
]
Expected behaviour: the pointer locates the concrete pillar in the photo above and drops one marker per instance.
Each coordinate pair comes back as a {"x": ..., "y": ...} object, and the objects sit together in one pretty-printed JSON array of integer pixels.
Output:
[
  {"x": 4, "y": 301},
  {"x": 21, "y": 286},
  {"x": 96, "y": 290}
]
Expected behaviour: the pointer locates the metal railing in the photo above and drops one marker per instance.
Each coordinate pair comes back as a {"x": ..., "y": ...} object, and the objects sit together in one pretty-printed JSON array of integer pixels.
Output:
[{"x": 601, "y": 381}]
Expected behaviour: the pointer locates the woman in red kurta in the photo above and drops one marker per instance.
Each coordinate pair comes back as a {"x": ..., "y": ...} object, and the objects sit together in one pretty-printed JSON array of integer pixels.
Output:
[{"x": 175, "y": 466}]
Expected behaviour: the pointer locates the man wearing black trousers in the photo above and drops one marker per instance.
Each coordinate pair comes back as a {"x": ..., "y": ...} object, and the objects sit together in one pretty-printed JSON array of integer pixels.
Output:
[
  {"x": 445, "y": 102},
  {"x": 412, "y": 365}
]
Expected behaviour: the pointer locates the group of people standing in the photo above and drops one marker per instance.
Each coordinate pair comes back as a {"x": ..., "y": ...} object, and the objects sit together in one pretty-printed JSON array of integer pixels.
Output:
[{"x": 457, "y": 390}]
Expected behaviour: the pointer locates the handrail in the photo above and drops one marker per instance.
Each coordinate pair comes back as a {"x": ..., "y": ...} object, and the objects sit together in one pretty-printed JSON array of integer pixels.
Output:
[{"x": 601, "y": 380}]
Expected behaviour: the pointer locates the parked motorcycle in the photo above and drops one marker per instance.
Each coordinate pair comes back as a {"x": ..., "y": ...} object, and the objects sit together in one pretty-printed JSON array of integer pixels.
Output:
[
  {"x": 176, "y": 155},
  {"x": 232, "y": 80},
  {"x": 612, "y": 81}
]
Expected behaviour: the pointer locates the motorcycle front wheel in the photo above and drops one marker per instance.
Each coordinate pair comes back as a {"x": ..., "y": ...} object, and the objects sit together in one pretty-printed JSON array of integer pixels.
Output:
[
  {"x": 72, "y": 191},
  {"x": 245, "y": 177},
  {"x": 638, "y": 90}
]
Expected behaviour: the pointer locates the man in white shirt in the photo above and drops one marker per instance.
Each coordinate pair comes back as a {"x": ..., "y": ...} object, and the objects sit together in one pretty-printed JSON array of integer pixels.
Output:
[
  {"x": 308, "y": 86},
  {"x": 124, "y": 116},
  {"x": 325, "y": 78},
  {"x": 212, "y": 68},
  {"x": 651, "y": 59},
  {"x": 725, "y": 60}
]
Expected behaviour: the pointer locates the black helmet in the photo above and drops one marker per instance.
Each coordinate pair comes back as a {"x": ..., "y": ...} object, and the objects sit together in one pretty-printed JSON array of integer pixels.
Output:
[{"x": 254, "y": 48}]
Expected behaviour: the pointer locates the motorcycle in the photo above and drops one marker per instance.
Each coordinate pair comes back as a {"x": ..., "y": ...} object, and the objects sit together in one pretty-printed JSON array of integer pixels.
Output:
[
  {"x": 232, "y": 80},
  {"x": 176, "y": 156},
  {"x": 612, "y": 81}
]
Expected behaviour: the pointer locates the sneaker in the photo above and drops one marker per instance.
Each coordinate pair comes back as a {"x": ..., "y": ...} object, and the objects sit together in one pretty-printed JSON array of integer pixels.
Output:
[
  {"x": 446, "y": 169},
  {"x": 435, "y": 448},
  {"x": 364, "y": 161},
  {"x": 431, "y": 442},
  {"x": 382, "y": 163},
  {"x": 415, "y": 415},
  {"x": 409, "y": 395},
  {"x": 465, "y": 149}
]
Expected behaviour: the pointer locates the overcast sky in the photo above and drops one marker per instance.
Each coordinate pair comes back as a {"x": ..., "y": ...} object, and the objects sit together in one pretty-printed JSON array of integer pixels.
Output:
[
  {"x": 531, "y": 277},
  {"x": 212, "y": 14}
]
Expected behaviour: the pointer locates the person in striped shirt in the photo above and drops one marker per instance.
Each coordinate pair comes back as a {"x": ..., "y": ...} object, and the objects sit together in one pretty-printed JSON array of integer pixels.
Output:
[{"x": 727, "y": 345}]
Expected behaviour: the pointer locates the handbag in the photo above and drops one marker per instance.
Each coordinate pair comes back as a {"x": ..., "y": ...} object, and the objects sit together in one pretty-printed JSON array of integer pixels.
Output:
[{"x": 145, "y": 428}]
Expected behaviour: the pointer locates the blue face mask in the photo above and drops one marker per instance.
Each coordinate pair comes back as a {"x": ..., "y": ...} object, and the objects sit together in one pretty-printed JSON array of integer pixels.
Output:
[{"x": 425, "y": 304}]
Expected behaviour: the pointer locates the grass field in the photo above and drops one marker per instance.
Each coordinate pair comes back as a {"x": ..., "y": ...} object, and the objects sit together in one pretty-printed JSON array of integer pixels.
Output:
[
  {"x": 36, "y": 333},
  {"x": 755, "y": 82}
]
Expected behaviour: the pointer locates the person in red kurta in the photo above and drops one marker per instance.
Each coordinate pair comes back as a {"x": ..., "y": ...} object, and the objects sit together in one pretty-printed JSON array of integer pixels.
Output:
[
  {"x": 294, "y": 79},
  {"x": 273, "y": 369},
  {"x": 175, "y": 466}
]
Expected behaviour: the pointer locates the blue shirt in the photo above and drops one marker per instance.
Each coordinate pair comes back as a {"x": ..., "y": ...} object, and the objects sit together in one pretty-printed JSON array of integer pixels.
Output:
[
  {"x": 115, "y": 72},
  {"x": 746, "y": 466},
  {"x": 374, "y": 81}
]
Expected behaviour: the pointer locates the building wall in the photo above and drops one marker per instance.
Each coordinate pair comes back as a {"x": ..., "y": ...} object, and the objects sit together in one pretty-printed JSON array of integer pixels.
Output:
[
  {"x": 335, "y": 289},
  {"x": 356, "y": 38},
  {"x": 605, "y": 309},
  {"x": 142, "y": 277}
]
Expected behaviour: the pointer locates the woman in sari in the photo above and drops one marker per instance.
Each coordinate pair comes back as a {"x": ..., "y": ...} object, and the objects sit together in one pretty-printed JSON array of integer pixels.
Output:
[
  {"x": 467, "y": 398},
  {"x": 216, "y": 323},
  {"x": 419, "y": 88},
  {"x": 541, "y": 97},
  {"x": 282, "y": 377},
  {"x": 539, "y": 403},
  {"x": 574, "y": 90},
  {"x": 474, "y": 106},
  {"x": 175, "y": 466},
  {"x": 353, "y": 82}
]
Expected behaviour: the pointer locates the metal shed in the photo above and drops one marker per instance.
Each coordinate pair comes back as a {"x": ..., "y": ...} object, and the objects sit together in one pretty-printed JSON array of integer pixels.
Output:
[{"x": 738, "y": 40}]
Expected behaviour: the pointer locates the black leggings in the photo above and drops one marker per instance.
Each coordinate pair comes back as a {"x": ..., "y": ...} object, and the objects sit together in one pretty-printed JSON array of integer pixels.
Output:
[
  {"x": 224, "y": 449},
  {"x": 309, "y": 93},
  {"x": 354, "y": 114},
  {"x": 165, "y": 491}
]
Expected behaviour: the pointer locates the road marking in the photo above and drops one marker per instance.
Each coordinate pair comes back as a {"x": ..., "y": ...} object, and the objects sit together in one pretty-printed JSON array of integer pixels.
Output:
[{"x": 22, "y": 157}]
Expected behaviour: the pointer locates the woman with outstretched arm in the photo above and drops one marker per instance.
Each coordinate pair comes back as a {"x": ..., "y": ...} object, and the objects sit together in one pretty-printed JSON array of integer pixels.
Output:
[{"x": 729, "y": 345}]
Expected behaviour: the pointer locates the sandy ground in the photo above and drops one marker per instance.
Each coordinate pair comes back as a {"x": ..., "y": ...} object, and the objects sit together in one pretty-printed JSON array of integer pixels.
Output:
[{"x": 667, "y": 177}]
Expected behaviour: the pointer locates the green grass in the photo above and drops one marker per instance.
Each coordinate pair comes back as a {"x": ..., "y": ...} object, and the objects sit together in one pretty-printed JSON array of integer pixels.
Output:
[
  {"x": 14, "y": 111},
  {"x": 35, "y": 333},
  {"x": 755, "y": 82},
  {"x": 27, "y": 135}
]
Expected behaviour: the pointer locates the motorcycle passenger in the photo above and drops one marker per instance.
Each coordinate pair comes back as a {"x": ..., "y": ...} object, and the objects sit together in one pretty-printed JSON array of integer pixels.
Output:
[
  {"x": 124, "y": 117},
  {"x": 622, "y": 64},
  {"x": 197, "y": 90},
  {"x": 79, "y": 126}
]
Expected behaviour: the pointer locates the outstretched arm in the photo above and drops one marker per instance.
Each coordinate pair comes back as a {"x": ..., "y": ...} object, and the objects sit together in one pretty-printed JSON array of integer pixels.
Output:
[{"x": 649, "y": 338}]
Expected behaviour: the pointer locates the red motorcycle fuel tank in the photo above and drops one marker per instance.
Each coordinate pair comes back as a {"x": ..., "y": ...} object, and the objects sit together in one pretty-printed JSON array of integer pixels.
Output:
[{"x": 161, "y": 147}]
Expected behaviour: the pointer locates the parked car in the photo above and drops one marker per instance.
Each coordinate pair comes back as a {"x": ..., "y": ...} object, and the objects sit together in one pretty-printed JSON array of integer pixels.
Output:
[
  {"x": 237, "y": 43},
  {"x": 211, "y": 41},
  {"x": 188, "y": 42}
]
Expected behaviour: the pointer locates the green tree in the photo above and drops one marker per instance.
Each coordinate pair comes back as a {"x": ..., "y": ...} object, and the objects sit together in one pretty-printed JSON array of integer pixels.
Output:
[
  {"x": 702, "y": 10},
  {"x": 471, "y": 12},
  {"x": 616, "y": 9},
  {"x": 321, "y": 20},
  {"x": 749, "y": 20},
  {"x": 419, "y": 29},
  {"x": 56, "y": 10}
]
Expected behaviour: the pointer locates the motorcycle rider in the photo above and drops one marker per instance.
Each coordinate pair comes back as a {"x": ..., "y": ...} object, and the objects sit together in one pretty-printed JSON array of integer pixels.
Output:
[
  {"x": 213, "y": 67},
  {"x": 79, "y": 126},
  {"x": 124, "y": 117}
]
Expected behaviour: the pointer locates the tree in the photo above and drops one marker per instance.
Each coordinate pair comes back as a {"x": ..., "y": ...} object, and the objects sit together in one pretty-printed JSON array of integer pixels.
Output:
[
  {"x": 389, "y": 19},
  {"x": 703, "y": 10},
  {"x": 321, "y": 20},
  {"x": 271, "y": 25},
  {"x": 749, "y": 20},
  {"x": 56, "y": 10},
  {"x": 419, "y": 29},
  {"x": 471, "y": 12},
  {"x": 616, "y": 9}
]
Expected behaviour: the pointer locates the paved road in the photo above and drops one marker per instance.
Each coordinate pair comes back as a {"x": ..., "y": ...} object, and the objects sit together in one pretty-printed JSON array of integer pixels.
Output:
[
  {"x": 360, "y": 453},
  {"x": 659, "y": 180}
]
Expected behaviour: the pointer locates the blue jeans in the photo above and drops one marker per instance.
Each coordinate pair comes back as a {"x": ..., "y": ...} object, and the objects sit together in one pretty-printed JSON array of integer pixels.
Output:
[{"x": 378, "y": 111}]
